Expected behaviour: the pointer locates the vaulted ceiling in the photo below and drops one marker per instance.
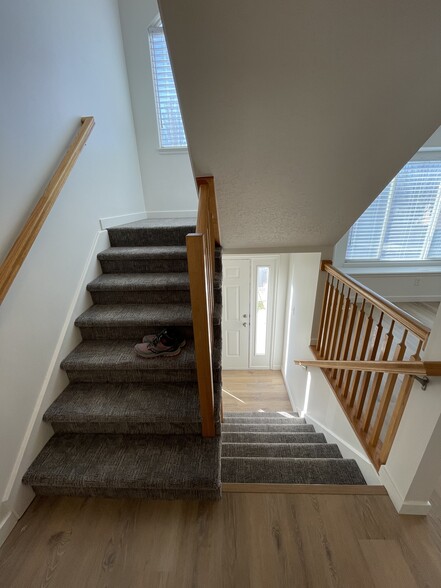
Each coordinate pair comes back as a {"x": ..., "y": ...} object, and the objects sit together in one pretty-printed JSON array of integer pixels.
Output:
[{"x": 302, "y": 110}]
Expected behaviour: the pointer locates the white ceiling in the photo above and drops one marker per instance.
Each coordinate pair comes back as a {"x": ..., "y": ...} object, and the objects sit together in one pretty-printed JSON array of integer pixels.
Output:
[{"x": 303, "y": 110}]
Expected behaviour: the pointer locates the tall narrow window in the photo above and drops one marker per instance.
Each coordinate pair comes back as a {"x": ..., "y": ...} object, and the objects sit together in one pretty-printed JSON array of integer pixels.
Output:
[
  {"x": 262, "y": 277},
  {"x": 171, "y": 129}
]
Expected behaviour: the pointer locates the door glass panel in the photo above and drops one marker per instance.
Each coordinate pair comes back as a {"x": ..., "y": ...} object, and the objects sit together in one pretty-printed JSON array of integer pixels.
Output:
[{"x": 261, "y": 309}]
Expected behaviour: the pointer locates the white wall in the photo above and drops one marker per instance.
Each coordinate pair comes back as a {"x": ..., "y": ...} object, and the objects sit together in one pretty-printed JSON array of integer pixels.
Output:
[
  {"x": 413, "y": 467},
  {"x": 58, "y": 61},
  {"x": 308, "y": 390},
  {"x": 167, "y": 178}
]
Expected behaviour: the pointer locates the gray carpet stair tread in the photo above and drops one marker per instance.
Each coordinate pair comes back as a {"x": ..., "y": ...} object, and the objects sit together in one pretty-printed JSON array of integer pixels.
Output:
[
  {"x": 273, "y": 438},
  {"x": 147, "y": 252},
  {"x": 259, "y": 414},
  {"x": 267, "y": 428},
  {"x": 270, "y": 470},
  {"x": 132, "y": 315},
  {"x": 310, "y": 450},
  {"x": 127, "y": 462},
  {"x": 264, "y": 420},
  {"x": 143, "y": 282},
  {"x": 120, "y": 355},
  {"x": 135, "y": 402}
]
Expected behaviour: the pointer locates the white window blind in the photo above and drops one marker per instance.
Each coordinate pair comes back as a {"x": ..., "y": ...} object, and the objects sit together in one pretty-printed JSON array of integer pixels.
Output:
[
  {"x": 171, "y": 129},
  {"x": 404, "y": 222}
]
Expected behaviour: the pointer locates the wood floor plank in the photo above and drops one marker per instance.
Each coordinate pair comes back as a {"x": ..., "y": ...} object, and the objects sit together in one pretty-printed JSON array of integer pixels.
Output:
[
  {"x": 386, "y": 563},
  {"x": 251, "y": 540},
  {"x": 253, "y": 390}
]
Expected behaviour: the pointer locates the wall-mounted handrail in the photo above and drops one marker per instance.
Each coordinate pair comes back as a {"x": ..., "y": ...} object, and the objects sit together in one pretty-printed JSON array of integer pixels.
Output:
[
  {"x": 201, "y": 269},
  {"x": 19, "y": 250},
  {"x": 369, "y": 351},
  {"x": 416, "y": 368}
]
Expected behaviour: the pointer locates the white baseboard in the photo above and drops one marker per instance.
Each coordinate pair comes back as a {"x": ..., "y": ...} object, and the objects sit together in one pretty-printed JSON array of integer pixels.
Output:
[
  {"x": 7, "y": 522},
  {"x": 115, "y": 221},
  {"x": 404, "y": 507},
  {"x": 37, "y": 433},
  {"x": 172, "y": 214},
  {"x": 423, "y": 298},
  {"x": 348, "y": 452}
]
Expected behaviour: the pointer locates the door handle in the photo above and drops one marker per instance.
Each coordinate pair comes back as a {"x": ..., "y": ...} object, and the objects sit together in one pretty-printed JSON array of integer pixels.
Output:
[{"x": 244, "y": 324}]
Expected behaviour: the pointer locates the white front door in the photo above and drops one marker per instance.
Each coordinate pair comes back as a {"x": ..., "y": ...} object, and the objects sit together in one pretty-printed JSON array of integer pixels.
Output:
[{"x": 235, "y": 311}]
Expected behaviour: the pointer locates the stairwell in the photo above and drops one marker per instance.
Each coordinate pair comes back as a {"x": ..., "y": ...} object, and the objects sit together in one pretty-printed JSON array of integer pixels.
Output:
[
  {"x": 281, "y": 448},
  {"x": 125, "y": 425}
]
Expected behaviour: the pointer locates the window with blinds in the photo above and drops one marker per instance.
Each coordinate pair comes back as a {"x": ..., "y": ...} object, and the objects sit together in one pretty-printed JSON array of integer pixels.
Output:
[
  {"x": 404, "y": 222},
  {"x": 171, "y": 129}
]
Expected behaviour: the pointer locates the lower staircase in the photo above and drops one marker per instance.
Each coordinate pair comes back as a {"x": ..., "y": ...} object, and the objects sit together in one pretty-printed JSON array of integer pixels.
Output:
[
  {"x": 281, "y": 448},
  {"x": 127, "y": 426}
]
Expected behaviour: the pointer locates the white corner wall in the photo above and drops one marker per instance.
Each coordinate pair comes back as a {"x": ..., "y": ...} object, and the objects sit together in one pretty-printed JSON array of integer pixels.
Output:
[
  {"x": 309, "y": 392},
  {"x": 58, "y": 61},
  {"x": 413, "y": 467},
  {"x": 167, "y": 178}
]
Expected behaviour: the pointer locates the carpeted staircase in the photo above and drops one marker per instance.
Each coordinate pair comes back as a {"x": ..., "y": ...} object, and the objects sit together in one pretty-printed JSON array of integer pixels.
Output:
[
  {"x": 128, "y": 426},
  {"x": 281, "y": 448}
]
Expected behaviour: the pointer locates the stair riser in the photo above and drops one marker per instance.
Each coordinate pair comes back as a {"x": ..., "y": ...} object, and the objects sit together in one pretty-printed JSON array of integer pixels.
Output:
[
  {"x": 152, "y": 494},
  {"x": 120, "y": 237},
  {"x": 227, "y": 428},
  {"x": 273, "y": 438},
  {"x": 287, "y": 471},
  {"x": 129, "y": 266},
  {"x": 263, "y": 421},
  {"x": 147, "y": 297},
  {"x": 127, "y": 428},
  {"x": 147, "y": 376},
  {"x": 305, "y": 450},
  {"x": 253, "y": 415},
  {"x": 132, "y": 333}
]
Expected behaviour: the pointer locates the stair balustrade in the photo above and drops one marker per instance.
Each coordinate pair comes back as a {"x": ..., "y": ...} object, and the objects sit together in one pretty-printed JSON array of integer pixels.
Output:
[
  {"x": 22, "y": 245},
  {"x": 370, "y": 352},
  {"x": 201, "y": 269}
]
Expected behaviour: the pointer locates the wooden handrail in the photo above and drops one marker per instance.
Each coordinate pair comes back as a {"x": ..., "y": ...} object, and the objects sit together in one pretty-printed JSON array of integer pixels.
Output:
[
  {"x": 398, "y": 315},
  {"x": 416, "y": 368},
  {"x": 201, "y": 269},
  {"x": 19, "y": 250}
]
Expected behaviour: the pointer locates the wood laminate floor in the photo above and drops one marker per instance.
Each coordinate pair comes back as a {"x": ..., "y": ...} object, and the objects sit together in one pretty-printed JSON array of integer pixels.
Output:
[
  {"x": 254, "y": 390},
  {"x": 243, "y": 541}
]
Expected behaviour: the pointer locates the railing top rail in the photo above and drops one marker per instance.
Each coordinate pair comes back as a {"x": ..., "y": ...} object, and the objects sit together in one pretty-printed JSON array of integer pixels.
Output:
[
  {"x": 395, "y": 313},
  {"x": 423, "y": 368}
]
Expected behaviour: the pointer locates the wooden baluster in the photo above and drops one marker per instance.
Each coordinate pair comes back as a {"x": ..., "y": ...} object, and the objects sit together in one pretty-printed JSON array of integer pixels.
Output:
[
  {"x": 387, "y": 395},
  {"x": 328, "y": 316},
  {"x": 378, "y": 378},
  {"x": 364, "y": 347},
  {"x": 347, "y": 342},
  {"x": 332, "y": 317},
  {"x": 343, "y": 330},
  {"x": 367, "y": 375},
  {"x": 197, "y": 270},
  {"x": 337, "y": 323},
  {"x": 354, "y": 346},
  {"x": 323, "y": 316},
  {"x": 397, "y": 414}
]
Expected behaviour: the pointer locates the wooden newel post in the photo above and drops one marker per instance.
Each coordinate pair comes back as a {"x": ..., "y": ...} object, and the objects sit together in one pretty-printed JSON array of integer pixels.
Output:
[{"x": 197, "y": 269}]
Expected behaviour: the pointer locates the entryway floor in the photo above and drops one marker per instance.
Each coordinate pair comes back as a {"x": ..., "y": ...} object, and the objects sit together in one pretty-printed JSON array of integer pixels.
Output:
[{"x": 254, "y": 390}]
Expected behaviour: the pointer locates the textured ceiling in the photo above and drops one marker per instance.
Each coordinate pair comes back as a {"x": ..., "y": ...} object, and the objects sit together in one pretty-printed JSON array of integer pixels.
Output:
[{"x": 303, "y": 110}]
